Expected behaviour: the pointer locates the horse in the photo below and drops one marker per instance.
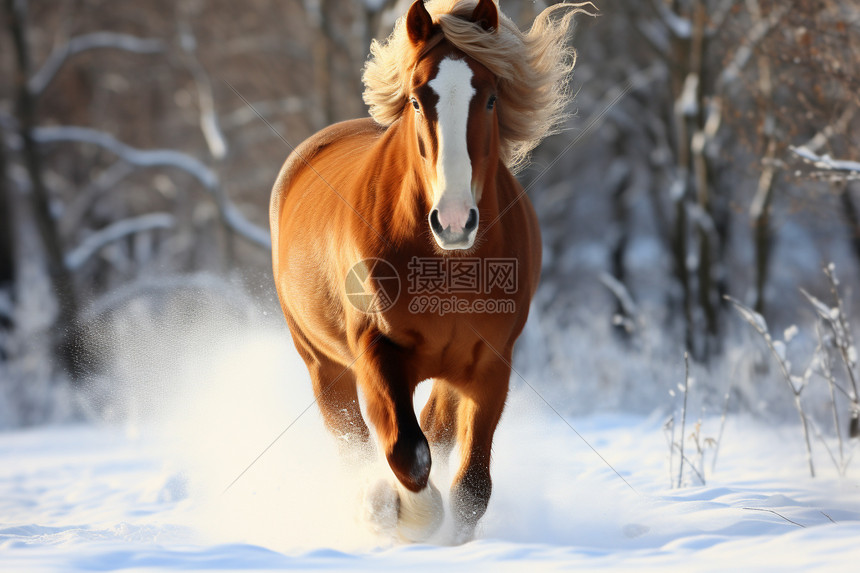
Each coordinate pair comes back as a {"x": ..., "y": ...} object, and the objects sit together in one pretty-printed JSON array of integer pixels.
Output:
[{"x": 423, "y": 189}]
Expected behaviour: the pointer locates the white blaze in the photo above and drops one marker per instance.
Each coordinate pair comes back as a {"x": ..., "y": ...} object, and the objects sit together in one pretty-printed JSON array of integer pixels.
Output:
[{"x": 452, "y": 194}]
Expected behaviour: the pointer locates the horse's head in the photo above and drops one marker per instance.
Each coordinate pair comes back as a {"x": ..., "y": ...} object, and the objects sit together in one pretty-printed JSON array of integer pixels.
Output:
[{"x": 452, "y": 111}]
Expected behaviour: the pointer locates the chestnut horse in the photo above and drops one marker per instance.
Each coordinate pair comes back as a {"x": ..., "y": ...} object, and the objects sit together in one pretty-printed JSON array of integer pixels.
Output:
[{"x": 459, "y": 96}]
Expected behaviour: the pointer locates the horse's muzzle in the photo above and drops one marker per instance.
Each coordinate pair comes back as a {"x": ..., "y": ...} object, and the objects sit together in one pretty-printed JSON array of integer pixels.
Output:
[{"x": 451, "y": 238}]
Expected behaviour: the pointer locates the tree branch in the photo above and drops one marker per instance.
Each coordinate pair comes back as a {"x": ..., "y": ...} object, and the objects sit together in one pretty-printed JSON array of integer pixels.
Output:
[
  {"x": 114, "y": 232},
  {"x": 247, "y": 114},
  {"x": 680, "y": 27},
  {"x": 209, "y": 124},
  {"x": 839, "y": 126},
  {"x": 97, "y": 40},
  {"x": 743, "y": 54},
  {"x": 163, "y": 158},
  {"x": 850, "y": 169},
  {"x": 83, "y": 200}
]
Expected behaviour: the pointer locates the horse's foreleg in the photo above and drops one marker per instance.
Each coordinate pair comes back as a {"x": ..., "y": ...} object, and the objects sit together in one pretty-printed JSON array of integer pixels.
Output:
[
  {"x": 382, "y": 371},
  {"x": 439, "y": 419},
  {"x": 481, "y": 404}
]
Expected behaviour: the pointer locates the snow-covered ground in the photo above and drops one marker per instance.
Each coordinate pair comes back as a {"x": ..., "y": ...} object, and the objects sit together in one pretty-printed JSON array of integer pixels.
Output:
[{"x": 150, "y": 493}]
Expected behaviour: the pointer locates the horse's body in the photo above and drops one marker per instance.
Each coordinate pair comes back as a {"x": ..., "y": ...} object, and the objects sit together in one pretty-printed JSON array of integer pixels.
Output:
[
  {"x": 327, "y": 239},
  {"x": 359, "y": 191}
]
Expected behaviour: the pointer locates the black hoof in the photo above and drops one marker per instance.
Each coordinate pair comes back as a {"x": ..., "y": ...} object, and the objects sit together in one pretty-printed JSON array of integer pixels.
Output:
[{"x": 410, "y": 462}]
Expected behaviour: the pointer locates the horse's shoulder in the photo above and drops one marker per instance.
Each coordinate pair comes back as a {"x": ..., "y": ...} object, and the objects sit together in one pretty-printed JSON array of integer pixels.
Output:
[{"x": 303, "y": 155}]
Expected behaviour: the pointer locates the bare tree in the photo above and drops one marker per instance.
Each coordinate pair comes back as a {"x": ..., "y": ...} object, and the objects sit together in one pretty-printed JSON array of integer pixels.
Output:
[
  {"x": 64, "y": 267},
  {"x": 61, "y": 279}
]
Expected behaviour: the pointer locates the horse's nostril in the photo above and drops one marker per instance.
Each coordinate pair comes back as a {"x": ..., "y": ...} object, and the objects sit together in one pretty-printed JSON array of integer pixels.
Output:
[
  {"x": 434, "y": 222},
  {"x": 472, "y": 222}
]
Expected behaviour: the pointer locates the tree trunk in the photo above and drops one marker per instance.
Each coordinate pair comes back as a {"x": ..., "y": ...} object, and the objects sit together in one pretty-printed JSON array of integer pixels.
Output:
[
  {"x": 64, "y": 331},
  {"x": 761, "y": 210},
  {"x": 7, "y": 248}
]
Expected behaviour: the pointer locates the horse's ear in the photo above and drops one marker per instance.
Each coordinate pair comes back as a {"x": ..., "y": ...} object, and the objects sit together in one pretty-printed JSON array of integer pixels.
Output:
[
  {"x": 486, "y": 15},
  {"x": 419, "y": 23}
]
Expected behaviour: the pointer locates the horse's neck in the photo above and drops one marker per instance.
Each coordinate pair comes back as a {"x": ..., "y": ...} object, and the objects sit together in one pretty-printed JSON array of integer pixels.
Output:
[{"x": 405, "y": 203}]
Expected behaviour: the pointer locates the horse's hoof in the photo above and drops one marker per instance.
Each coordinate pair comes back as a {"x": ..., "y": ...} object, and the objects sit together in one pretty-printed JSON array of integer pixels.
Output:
[
  {"x": 381, "y": 508},
  {"x": 421, "y": 513},
  {"x": 390, "y": 509},
  {"x": 410, "y": 462}
]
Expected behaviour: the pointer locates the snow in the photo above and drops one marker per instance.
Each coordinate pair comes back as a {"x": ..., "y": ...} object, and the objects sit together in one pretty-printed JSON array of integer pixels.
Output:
[{"x": 149, "y": 493}]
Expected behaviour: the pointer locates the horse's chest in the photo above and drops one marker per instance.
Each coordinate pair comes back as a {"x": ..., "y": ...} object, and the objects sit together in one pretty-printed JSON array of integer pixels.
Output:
[{"x": 444, "y": 346}]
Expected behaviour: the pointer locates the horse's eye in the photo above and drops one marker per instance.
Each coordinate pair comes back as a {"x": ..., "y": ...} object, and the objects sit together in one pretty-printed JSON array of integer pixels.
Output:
[
  {"x": 415, "y": 105},
  {"x": 492, "y": 103}
]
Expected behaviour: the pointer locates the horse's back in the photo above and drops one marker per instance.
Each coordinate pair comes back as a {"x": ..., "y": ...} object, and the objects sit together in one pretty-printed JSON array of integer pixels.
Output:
[{"x": 356, "y": 131}]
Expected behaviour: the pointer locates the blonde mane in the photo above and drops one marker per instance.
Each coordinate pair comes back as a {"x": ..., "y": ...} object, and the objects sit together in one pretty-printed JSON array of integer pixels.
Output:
[{"x": 532, "y": 68}]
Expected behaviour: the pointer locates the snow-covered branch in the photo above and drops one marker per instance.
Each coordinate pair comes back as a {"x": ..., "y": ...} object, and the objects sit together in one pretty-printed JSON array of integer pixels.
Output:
[
  {"x": 743, "y": 54},
  {"x": 114, "y": 232},
  {"x": 162, "y": 158},
  {"x": 620, "y": 292},
  {"x": 78, "y": 207},
  {"x": 845, "y": 168},
  {"x": 237, "y": 221},
  {"x": 249, "y": 113},
  {"x": 839, "y": 126},
  {"x": 97, "y": 40},
  {"x": 209, "y": 124},
  {"x": 139, "y": 157},
  {"x": 680, "y": 27}
]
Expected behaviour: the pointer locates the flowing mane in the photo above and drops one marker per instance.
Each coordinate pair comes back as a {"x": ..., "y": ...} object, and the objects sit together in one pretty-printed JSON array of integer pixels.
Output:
[{"x": 532, "y": 68}]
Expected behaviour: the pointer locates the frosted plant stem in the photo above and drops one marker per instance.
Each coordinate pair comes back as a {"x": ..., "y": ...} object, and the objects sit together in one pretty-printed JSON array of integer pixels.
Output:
[
  {"x": 845, "y": 342},
  {"x": 827, "y": 448},
  {"x": 757, "y": 322},
  {"x": 827, "y": 371},
  {"x": 692, "y": 467},
  {"x": 805, "y": 433},
  {"x": 669, "y": 434},
  {"x": 684, "y": 414},
  {"x": 722, "y": 427}
]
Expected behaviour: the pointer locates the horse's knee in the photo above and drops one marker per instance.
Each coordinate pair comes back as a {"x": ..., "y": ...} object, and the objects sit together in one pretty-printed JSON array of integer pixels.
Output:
[
  {"x": 470, "y": 496},
  {"x": 410, "y": 460}
]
